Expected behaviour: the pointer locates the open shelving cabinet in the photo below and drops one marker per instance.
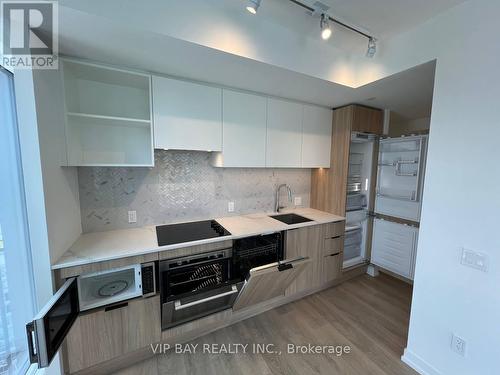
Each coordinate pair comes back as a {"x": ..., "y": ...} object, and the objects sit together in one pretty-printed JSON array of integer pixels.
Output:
[{"x": 108, "y": 116}]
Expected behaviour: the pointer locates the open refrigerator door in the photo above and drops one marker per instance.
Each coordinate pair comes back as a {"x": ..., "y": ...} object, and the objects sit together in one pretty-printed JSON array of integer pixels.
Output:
[
  {"x": 401, "y": 167},
  {"x": 359, "y": 198},
  {"x": 400, "y": 178}
]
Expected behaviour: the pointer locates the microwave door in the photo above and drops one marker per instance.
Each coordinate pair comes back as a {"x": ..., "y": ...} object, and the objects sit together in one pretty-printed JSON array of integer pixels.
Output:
[
  {"x": 269, "y": 281},
  {"x": 49, "y": 328}
]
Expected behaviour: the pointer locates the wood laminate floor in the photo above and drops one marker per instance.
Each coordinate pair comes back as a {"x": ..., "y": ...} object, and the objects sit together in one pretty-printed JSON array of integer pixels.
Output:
[{"x": 370, "y": 315}]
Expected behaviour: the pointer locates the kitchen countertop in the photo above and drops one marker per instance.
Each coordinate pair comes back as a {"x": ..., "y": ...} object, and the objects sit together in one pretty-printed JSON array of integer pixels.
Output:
[{"x": 116, "y": 244}]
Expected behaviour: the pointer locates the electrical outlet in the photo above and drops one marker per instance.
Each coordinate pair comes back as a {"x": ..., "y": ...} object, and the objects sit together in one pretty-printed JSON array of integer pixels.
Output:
[
  {"x": 458, "y": 345},
  {"x": 132, "y": 217},
  {"x": 298, "y": 201},
  {"x": 230, "y": 206},
  {"x": 474, "y": 259}
]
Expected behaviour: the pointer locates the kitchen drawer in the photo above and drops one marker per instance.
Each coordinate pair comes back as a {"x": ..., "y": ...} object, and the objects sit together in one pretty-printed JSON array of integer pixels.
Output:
[
  {"x": 333, "y": 245},
  {"x": 334, "y": 229},
  {"x": 332, "y": 267}
]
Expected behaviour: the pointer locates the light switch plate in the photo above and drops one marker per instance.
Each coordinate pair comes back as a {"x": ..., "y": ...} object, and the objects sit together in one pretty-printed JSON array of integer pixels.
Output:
[
  {"x": 132, "y": 217},
  {"x": 298, "y": 201},
  {"x": 474, "y": 259},
  {"x": 230, "y": 206}
]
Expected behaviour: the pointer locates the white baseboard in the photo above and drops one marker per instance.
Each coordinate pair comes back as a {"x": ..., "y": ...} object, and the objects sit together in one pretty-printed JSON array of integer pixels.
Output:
[{"x": 418, "y": 364}]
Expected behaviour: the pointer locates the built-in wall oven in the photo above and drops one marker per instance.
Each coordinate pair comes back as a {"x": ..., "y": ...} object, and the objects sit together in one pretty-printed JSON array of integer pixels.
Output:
[
  {"x": 238, "y": 277},
  {"x": 198, "y": 285},
  {"x": 195, "y": 286}
]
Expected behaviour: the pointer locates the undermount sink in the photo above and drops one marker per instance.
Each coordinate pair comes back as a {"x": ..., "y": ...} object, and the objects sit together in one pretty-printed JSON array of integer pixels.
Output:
[{"x": 290, "y": 218}]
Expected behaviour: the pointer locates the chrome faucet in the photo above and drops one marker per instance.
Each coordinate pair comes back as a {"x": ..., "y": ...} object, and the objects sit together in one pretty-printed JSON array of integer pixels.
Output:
[{"x": 277, "y": 206}]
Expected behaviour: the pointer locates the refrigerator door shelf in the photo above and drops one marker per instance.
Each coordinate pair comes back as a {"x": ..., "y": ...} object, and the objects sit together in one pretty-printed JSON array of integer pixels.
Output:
[
  {"x": 401, "y": 144},
  {"x": 403, "y": 209},
  {"x": 400, "y": 177}
]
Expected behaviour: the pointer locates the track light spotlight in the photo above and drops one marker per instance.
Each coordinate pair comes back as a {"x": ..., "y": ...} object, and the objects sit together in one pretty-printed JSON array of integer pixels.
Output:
[
  {"x": 326, "y": 31},
  {"x": 253, "y": 6},
  {"x": 372, "y": 47}
]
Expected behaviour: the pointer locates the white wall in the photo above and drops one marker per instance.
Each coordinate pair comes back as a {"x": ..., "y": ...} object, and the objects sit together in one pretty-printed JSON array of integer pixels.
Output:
[
  {"x": 461, "y": 204},
  {"x": 405, "y": 127},
  {"x": 62, "y": 205}
]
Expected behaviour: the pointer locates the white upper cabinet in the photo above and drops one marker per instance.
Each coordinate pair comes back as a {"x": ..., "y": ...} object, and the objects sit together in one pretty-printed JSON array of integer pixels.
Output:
[
  {"x": 187, "y": 116},
  {"x": 316, "y": 137},
  {"x": 111, "y": 113},
  {"x": 284, "y": 134},
  {"x": 244, "y": 130},
  {"x": 108, "y": 116}
]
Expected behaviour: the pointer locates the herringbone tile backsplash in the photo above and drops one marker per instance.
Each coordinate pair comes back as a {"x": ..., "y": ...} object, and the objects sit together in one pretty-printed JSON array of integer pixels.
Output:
[{"x": 182, "y": 186}]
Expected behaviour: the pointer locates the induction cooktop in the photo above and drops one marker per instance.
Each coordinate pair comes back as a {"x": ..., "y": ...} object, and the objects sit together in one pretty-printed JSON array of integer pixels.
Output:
[{"x": 187, "y": 232}]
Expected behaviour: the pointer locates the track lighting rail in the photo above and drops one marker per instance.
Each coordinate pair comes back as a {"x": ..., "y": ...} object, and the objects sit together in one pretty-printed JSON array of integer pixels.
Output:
[{"x": 310, "y": 9}]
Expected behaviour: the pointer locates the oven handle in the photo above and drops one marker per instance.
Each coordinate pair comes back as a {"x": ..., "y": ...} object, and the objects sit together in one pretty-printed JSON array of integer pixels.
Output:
[{"x": 179, "y": 306}]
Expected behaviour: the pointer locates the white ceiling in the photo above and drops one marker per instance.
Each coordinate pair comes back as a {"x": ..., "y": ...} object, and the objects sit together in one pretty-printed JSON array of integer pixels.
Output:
[
  {"x": 380, "y": 18},
  {"x": 86, "y": 35},
  {"x": 386, "y": 18}
]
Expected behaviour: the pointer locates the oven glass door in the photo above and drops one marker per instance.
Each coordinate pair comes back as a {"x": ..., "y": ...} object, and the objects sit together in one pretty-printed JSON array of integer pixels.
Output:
[
  {"x": 48, "y": 330},
  {"x": 184, "y": 281}
]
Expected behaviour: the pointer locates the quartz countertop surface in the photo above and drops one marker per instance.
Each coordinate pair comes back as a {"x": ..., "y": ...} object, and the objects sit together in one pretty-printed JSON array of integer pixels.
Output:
[{"x": 101, "y": 246}]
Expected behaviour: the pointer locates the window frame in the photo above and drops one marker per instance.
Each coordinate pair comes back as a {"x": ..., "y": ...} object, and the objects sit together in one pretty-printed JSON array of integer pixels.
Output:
[{"x": 33, "y": 196}]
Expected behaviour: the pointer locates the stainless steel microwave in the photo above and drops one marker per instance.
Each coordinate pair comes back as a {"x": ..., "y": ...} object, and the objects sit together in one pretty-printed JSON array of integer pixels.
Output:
[{"x": 49, "y": 328}]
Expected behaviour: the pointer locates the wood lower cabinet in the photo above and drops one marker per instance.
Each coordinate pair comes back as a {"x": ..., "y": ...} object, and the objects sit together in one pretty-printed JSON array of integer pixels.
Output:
[
  {"x": 333, "y": 251},
  {"x": 315, "y": 242},
  {"x": 148, "y": 367},
  {"x": 305, "y": 242},
  {"x": 103, "y": 335},
  {"x": 331, "y": 267},
  {"x": 333, "y": 230},
  {"x": 333, "y": 245}
]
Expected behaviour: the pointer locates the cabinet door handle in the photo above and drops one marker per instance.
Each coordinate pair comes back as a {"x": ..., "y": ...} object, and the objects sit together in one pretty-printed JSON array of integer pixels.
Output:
[
  {"x": 178, "y": 306},
  {"x": 333, "y": 255},
  {"x": 30, "y": 330},
  {"x": 115, "y": 307}
]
